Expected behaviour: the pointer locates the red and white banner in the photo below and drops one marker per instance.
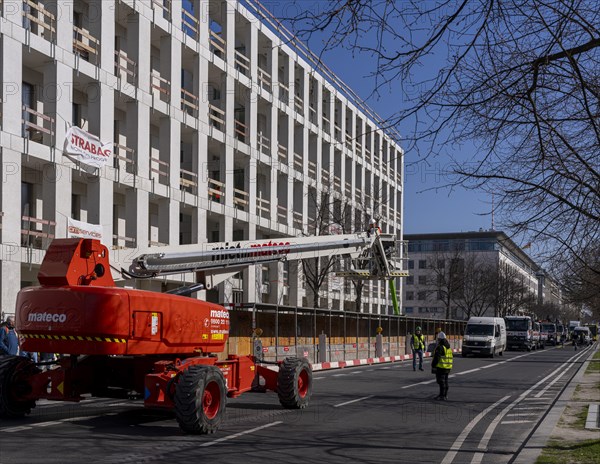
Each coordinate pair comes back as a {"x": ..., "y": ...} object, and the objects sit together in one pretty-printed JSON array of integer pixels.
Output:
[
  {"x": 87, "y": 148},
  {"x": 83, "y": 229}
]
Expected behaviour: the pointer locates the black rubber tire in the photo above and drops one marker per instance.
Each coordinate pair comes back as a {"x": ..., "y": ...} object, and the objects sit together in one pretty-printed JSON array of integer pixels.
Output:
[
  {"x": 14, "y": 374},
  {"x": 294, "y": 383},
  {"x": 200, "y": 399}
]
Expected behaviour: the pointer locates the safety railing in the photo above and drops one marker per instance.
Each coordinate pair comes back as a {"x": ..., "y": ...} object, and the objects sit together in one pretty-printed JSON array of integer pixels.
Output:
[
  {"x": 297, "y": 220},
  {"x": 159, "y": 170},
  {"x": 156, "y": 243},
  {"x": 240, "y": 129},
  {"x": 376, "y": 163},
  {"x": 189, "y": 103},
  {"x": 264, "y": 143},
  {"x": 282, "y": 216},
  {"x": 337, "y": 184},
  {"x": 216, "y": 44},
  {"x": 240, "y": 199},
  {"x": 264, "y": 79},
  {"x": 358, "y": 147},
  {"x": 284, "y": 92},
  {"x": 36, "y": 233},
  {"x": 348, "y": 141},
  {"x": 190, "y": 24},
  {"x": 337, "y": 132},
  {"x": 124, "y": 158},
  {"x": 125, "y": 67},
  {"x": 121, "y": 241},
  {"x": 36, "y": 125},
  {"x": 216, "y": 117},
  {"x": 282, "y": 153},
  {"x": 216, "y": 190},
  {"x": 163, "y": 7},
  {"x": 326, "y": 124},
  {"x": 263, "y": 207},
  {"x": 242, "y": 63},
  {"x": 312, "y": 116},
  {"x": 86, "y": 45},
  {"x": 312, "y": 169},
  {"x": 298, "y": 162},
  {"x": 161, "y": 85},
  {"x": 348, "y": 189},
  {"x": 188, "y": 181},
  {"x": 38, "y": 20},
  {"x": 298, "y": 104}
]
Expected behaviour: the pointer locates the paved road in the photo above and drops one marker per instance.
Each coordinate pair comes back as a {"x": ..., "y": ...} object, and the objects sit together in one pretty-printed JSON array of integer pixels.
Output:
[{"x": 371, "y": 414}]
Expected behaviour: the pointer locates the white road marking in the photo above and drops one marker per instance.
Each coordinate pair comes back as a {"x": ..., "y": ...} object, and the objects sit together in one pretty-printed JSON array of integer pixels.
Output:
[
  {"x": 450, "y": 455},
  {"x": 419, "y": 383},
  {"x": 353, "y": 401},
  {"x": 478, "y": 457},
  {"x": 507, "y": 422},
  {"x": 236, "y": 435}
]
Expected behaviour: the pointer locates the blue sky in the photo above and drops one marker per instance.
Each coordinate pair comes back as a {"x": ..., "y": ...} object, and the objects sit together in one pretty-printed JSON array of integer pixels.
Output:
[{"x": 428, "y": 206}]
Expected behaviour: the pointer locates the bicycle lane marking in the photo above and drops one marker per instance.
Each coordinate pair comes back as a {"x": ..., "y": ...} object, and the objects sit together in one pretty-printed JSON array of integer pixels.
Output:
[
  {"x": 478, "y": 457},
  {"x": 455, "y": 448}
]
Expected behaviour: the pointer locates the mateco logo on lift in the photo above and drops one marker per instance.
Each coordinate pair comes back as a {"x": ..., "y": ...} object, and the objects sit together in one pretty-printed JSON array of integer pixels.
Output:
[
  {"x": 223, "y": 314},
  {"x": 46, "y": 317}
]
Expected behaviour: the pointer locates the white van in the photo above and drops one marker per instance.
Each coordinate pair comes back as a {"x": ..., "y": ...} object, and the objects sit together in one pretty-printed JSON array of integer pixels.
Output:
[{"x": 484, "y": 336}]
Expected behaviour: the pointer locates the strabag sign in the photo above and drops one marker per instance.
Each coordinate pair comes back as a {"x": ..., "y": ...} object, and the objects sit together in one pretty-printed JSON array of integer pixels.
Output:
[{"x": 86, "y": 148}]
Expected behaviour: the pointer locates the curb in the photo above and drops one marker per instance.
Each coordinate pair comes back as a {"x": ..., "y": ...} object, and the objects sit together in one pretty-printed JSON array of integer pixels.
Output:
[{"x": 367, "y": 361}]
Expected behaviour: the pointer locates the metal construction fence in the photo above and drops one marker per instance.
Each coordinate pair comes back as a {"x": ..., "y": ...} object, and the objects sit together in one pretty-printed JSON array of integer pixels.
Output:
[{"x": 294, "y": 331}]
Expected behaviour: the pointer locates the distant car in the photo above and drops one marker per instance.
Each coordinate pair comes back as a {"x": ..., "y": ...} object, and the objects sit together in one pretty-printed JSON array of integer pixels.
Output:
[{"x": 582, "y": 336}]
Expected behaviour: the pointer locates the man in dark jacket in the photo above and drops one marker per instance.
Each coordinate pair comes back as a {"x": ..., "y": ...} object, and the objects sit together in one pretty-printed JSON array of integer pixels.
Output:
[
  {"x": 9, "y": 342},
  {"x": 442, "y": 363}
]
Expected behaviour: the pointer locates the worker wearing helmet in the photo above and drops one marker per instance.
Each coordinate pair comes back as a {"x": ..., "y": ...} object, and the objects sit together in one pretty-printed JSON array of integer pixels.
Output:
[
  {"x": 442, "y": 364},
  {"x": 417, "y": 344},
  {"x": 373, "y": 227}
]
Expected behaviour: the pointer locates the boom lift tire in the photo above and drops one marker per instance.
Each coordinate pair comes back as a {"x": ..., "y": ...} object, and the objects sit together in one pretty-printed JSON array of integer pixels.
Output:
[
  {"x": 200, "y": 399},
  {"x": 294, "y": 383},
  {"x": 14, "y": 374}
]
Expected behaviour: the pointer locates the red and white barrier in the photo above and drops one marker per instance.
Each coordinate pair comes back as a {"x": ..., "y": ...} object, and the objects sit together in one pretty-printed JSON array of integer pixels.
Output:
[{"x": 367, "y": 361}]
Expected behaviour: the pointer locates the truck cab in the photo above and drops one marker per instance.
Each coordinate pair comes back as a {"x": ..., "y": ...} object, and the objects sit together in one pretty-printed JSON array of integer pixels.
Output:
[
  {"x": 519, "y": 333},
  {"x": 549, "y": 330}
]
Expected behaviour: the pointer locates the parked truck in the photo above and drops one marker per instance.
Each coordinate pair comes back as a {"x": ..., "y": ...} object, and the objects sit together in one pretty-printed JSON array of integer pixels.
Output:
[{"x": 519, "y": 333}]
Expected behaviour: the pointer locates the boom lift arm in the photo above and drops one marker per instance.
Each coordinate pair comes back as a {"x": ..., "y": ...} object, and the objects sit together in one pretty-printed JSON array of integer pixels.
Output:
[{"x": 215, "y": 262}]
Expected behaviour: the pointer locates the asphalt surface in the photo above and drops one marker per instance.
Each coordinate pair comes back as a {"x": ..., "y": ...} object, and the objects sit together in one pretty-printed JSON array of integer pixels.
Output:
[{"x": 371, "y": 414}]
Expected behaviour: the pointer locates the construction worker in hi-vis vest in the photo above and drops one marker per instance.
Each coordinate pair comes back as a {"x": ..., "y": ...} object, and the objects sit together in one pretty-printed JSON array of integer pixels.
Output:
[
  {"x": 442, "y": 365},
  {"x": 417, "y": 344}
]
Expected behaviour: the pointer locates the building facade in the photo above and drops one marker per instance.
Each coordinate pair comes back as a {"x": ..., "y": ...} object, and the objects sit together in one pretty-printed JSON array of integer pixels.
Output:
[
  {"x": 221, "y": 131},
  {"x": 472, "y": 274}
]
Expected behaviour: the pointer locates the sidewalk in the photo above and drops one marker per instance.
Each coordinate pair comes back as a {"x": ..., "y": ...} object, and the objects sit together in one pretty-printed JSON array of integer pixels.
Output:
[{"x": 562, "y": 436}]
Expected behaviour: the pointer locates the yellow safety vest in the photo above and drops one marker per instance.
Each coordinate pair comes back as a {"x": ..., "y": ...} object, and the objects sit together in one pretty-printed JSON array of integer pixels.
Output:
[
  {"x": 418, "y": 342},
  {"x": 445, "y": 361}
]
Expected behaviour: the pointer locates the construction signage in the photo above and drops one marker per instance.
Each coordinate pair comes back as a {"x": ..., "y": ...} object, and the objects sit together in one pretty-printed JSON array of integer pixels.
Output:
[
  {"x": 86, "y": 148},
  {"x": 83, "y": 229}
]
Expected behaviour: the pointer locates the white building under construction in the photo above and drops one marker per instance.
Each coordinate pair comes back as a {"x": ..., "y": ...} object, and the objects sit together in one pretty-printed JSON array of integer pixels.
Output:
[{"x": 221, "y": 129}]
